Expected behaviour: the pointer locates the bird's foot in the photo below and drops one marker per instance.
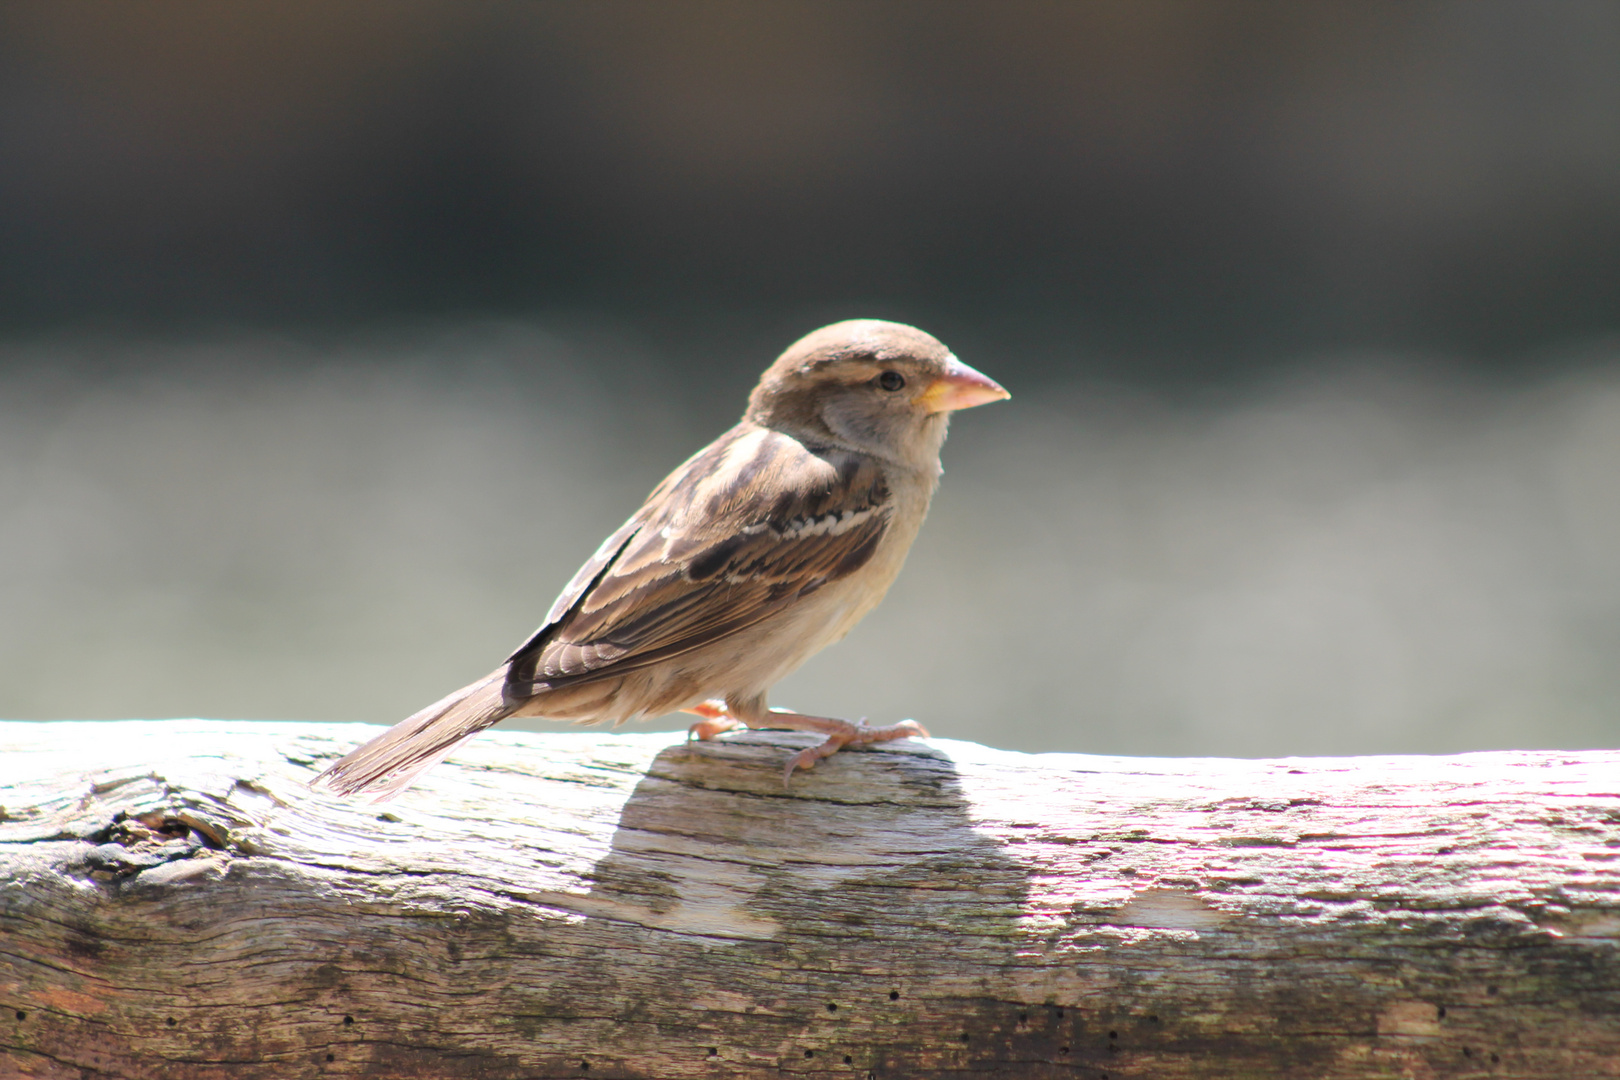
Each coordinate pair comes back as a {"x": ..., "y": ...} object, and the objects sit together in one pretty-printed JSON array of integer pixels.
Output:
[
  {"x": 717, "y": 720},
  {"x": 840, "y": 733}
]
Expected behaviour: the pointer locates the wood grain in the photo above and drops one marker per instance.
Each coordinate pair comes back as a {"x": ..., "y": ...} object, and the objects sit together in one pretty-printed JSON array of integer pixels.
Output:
[{"x": 176, "y": 904}]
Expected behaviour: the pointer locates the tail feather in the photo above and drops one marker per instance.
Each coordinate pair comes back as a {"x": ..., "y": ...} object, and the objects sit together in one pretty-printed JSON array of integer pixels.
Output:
[{"x": 388, "y": 764}]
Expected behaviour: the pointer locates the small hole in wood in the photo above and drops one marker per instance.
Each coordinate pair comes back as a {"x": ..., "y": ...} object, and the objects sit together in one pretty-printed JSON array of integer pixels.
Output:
[
  {"x": 1467, "y": 1052},
  {"x": 848, "y": 1060},
  {"x": 1063, "y": 1049},
  {"x": 1060, "y": 1014},
  {"x": 1442, "y": 1011},
  {"x": 714, "y": 1051},
  {"x": 894, "y": 995},
  {"x": 1495, "y": 1059},
  {"x": 21, "y": 1015},
  {"x": 964, "y": 1036},
  {"x": 584, "y": 1066},
  {"x": 1023, "y": 1018},
  {"x": 832, "y": 1007},
  {"x": 348, "y": 1021},
  {"x": 809, "y": 1053},
  {"x": 170, "y": 1021},
  {"x": 331, "y": 1057},
  {"x": 1113, "y": 1034}
]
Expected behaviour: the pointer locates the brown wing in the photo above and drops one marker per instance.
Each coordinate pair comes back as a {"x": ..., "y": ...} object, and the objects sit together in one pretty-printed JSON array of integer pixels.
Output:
[{"x": 739, "y": 532}]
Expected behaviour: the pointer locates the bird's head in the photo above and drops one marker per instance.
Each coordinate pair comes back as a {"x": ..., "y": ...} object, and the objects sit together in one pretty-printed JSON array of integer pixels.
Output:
[{"x": 879, "y": 387}]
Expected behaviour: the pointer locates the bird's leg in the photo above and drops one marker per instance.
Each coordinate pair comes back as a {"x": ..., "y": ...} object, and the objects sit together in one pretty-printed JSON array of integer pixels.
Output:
[
  {"x": 840, "y": 733},
  {"x": 717, "y": 720}
]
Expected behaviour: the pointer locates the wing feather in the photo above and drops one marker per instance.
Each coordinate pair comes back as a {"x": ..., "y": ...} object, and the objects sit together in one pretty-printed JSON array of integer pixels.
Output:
[{"x": 736, "y": 534}]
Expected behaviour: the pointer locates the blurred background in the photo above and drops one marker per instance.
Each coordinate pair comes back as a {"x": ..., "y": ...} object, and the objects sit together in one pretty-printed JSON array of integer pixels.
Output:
[{"x": 334, "y": 336}]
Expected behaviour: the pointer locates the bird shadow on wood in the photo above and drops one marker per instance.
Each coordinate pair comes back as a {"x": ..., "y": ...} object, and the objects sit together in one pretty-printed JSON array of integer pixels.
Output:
[
  {"x": 873, "y": 844},
  {"x": 854, "y": 912}
]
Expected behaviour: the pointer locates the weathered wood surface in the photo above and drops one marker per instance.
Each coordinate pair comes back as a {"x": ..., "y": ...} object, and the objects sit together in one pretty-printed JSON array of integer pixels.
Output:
[{"x": 177, "y": 904}]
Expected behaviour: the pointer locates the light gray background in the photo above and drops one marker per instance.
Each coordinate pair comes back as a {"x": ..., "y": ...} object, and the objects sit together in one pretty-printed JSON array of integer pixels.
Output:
[{"x": 1370, "y": 554}]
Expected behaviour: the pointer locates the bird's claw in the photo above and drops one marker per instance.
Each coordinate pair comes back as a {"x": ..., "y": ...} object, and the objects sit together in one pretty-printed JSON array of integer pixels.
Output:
[
  {"x": 857, "y": 735},
  {"x": 807, "y": 758},
  {"x": 717, "y": 720},
  {"x": 704, "y": 730}
]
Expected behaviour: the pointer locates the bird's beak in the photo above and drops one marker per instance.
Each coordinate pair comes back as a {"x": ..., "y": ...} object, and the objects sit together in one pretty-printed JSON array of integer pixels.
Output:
[{"x": 960, "y": 388}]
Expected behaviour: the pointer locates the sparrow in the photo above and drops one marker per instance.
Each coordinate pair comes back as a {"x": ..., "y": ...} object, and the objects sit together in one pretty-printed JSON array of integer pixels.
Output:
[{"x": 763, "y": 548}]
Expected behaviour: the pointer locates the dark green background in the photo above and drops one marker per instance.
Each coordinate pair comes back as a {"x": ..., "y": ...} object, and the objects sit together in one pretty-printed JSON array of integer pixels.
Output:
[{"x": 1143, "y": 190}]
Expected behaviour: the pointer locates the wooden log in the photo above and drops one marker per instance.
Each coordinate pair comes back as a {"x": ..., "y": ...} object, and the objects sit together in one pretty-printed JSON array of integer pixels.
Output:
[{"x": 177, "y": 904}]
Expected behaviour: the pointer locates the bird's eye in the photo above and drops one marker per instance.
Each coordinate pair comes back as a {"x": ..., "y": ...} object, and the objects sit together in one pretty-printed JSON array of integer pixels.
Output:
[{"x": 891, "y": 380}]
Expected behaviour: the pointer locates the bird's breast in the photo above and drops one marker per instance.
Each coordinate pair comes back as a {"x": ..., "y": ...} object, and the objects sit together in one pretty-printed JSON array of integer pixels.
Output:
[{"x": 833, "y": 610}]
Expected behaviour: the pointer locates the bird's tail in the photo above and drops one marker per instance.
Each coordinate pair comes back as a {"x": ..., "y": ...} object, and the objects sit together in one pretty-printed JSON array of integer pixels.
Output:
[{"x": 388, "y": 764}]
